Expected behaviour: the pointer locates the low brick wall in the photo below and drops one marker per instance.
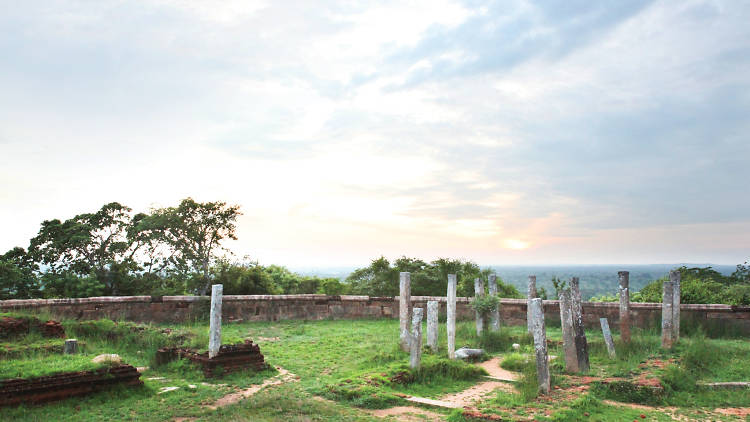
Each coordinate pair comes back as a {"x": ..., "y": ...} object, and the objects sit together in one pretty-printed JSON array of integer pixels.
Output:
[{"x": 317, "y": 307}]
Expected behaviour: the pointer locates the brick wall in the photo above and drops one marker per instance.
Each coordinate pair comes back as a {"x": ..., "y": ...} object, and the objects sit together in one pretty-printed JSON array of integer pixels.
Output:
[{"x": 316, "y": 307}]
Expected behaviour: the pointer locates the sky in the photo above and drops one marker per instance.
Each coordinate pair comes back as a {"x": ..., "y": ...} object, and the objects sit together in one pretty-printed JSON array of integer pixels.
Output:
[{"x": 509, "y": 132}]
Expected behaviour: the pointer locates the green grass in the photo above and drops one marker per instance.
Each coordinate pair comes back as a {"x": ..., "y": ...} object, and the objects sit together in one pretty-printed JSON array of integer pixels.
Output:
[
  {"x": 39, "y": 366},
  {"x": 358, "y": 364}
]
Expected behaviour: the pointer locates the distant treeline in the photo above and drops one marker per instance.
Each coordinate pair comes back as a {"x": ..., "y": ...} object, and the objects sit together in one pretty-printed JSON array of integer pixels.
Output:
[{"x": 178, "y": 250}]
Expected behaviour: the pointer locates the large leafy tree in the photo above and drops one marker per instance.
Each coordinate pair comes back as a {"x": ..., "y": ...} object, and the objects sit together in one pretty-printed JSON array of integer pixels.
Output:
[
  {"x": 17, "y": 275},
  {"x": 99, "y": 245},
  {"x": 194, "y": 232}
]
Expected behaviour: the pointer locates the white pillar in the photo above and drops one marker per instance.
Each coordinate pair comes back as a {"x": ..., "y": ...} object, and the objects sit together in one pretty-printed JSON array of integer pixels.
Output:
[
  {"x": 494, "y": 315},
  {"x": 674, "y": 277},
  {"x": 479, "y": 292},
  {"x": 667, "y": 316},
  {"x": 568, "y": 333},
  {"x": 582, "y": 348},
  {"x": 432, "y": 325},
  {"x": 214, "y": 333},
  {"x": 531, "y": 294},
  {"x": 538, "y": 330},
  {"x": 624, "y": 287},
  {"x": 404, "y": 309},
  {"x": 608, "y": 337},
  {"x": 415, "y": 344},
  {"x": 451, "y": 321}
]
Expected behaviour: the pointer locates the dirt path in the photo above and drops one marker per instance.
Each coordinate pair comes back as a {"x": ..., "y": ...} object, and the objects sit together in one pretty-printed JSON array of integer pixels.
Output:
[
  {"x": 408, "y": 413},
  {"x": 462, "y": 399},
  {"x": 282, "y": 377},
  {"x": 471, "y": 395}
]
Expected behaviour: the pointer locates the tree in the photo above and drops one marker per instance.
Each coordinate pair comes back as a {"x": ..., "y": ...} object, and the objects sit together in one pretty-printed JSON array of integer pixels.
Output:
[
  {"x": 100, "y": 245},
  {"x": 17, "y": 275},
  {"x": 194, "y": 231}
]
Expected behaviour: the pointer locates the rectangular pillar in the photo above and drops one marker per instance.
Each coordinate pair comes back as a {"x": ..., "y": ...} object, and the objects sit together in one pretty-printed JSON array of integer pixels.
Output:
[
  {"x": 582, "y": 348},
  {"x": 568, "y": 333},
  {"x": 415, "y": 344},
  {"x": 404, "y": 309},
  {"x": 531, "y": 294},
  {"x": 495, "y": 314},
  {"x": 432, "y": 325},
  {"x": 451, "y": 320},
  {"x": 479, "y": 292},
  {"x": 667, "y": 316},
  {"x": 539, "y": 332},
  {"x": 608, "y": 337},
  {"x": 674, "y": 277},
  {"x": 214, "y": 333},
  {"x": 624, "y": 287}
]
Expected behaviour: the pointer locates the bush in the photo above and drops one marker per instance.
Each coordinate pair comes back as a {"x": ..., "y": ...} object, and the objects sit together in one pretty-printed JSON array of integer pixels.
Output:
[
  {"x": 515, "y": 362},
  {"x": 485, "y": 304}
]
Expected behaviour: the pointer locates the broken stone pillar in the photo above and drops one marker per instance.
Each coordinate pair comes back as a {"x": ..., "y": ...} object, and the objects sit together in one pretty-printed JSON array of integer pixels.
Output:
[
  {"x": 539, "y": 333},
  {"x": 479, "y": 292},
  {"x": 582, "y": 348},
  {"x": 415, "y": 344},
  {"x": 432, "y": 325},
  {"x": 624, "y": 281},
  {"x": 404, "y": 309},
  {"x": 531, "y": 294},
  {"x": 214, "y": 333},
  {"x": 568, "y": 333},
  {"x": 451, "y": 320},
  {"x": 667, "y": 316},
  {"x": 674, "y": 277},
  {"x": 494, "y": 315},
  {"x": 70, "y": 347},
  {"x": 608, "y": 337}
]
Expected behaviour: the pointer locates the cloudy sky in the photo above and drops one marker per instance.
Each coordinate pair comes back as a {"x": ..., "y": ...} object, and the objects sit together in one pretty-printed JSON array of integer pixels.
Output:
[{"x": 513, "y": 132}]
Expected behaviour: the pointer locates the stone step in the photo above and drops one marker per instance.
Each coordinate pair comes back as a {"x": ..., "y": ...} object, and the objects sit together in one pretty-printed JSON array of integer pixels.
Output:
[{"x": 434, "y": 403}]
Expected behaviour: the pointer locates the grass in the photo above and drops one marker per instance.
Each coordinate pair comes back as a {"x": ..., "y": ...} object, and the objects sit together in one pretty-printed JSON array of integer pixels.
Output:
[
  {"x": 358, "y": 365},
  {"x": 40, "y": 366}
]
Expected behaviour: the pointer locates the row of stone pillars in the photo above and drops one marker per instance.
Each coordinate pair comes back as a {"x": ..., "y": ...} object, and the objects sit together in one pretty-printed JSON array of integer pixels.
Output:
[{"x": 410, "y": 320}]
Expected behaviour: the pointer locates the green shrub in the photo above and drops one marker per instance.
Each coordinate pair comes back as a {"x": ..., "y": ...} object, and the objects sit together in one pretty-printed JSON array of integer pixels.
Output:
[
  {"x": 484, "y": 304},
  {"x": 515, "y": 362},
  {"x": 625, "y": 391},
  {"x": 495, "y": 341}
]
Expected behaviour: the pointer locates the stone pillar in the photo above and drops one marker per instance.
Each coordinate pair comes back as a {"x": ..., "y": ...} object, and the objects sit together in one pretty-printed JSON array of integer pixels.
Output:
[
  {"x": 667, "y": 316},
  {"x": 451, "y": 321},
  {"x": 494, "y": 315},
  {"x": 404, "y": 309},
  {"x": 624, "y": 281},
  {"x": 674, "y": 277},
  {"x": 582, "y": 348},
  {"x": 608, "y": 337},
  {"x": 214, "y": 333},
  {"x": 432, "y": 325},
  {"x": 539, "y": 333},
  {"x": 531, "y": 294},
  {"x": 479, "y": 292},
  {"x": 568, "y": 333},
  {"x": 70, "y": 347},
  {"x": 415, "y": 344}
]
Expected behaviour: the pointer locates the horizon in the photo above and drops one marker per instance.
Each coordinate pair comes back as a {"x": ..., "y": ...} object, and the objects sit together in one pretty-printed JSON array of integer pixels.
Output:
[{"x": 510, "y": 132}]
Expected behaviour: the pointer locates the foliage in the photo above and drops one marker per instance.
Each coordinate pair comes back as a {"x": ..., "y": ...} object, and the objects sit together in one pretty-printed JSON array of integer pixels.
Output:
[
  {"x": 702, "y": 285},
  {"x": 46, "y": 365},
  {"x": 484, "y": 304},
  {"x": 17, "y": 278},
  {"x": 381, "y": 278}
]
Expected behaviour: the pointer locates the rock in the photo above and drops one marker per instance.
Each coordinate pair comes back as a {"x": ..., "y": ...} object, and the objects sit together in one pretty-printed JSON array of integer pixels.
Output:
[
  {"x": 167, "y": 389},
  {"x": 516, "y": 347},
  {"x": 111, "y": 358},
  {"x": 465, "y": 353}
]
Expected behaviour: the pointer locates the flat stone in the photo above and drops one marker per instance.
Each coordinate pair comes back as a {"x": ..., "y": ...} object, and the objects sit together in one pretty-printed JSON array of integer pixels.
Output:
[
  {"x": 434, "y": 403},
  {"x": 107, "y": 358},
  {"x": 465, "y": 353},
  {"x": 167, "y": 389}
]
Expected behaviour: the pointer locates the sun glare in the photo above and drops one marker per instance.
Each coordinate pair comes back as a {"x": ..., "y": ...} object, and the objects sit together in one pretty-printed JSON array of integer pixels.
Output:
[{"x": 515, "y": 244}]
